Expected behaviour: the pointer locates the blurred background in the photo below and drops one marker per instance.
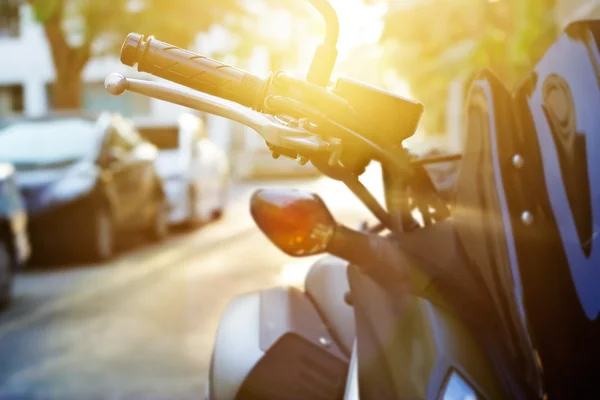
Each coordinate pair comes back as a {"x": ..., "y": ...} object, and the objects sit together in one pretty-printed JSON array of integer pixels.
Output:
[
  {"x": 56, "y": 54},
  {"x": 142, "y": 324}
]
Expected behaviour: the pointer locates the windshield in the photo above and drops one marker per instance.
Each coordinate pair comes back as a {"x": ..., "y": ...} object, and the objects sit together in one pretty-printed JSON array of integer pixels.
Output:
[
  {"x": 164, "y": 138},
  {"x": 47, "y": 142}
]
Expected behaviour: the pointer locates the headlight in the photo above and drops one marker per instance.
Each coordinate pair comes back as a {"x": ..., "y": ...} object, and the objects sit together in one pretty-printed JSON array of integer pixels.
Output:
[{"x": 456, "y": 388}]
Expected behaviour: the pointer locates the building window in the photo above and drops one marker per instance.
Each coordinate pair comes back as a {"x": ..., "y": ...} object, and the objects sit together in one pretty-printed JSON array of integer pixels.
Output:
[
  {"x": 9, "y": 18},
  {"x": 95, "y": 99},
  {"x": 11, "y": 99}
]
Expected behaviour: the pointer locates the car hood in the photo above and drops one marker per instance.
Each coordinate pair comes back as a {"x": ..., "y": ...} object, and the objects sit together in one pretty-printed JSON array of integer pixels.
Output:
[{"x": 44, "y": 187}]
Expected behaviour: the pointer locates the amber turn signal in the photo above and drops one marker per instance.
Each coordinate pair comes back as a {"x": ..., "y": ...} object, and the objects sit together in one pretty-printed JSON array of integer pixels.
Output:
[{"x": 297, "y": 222}]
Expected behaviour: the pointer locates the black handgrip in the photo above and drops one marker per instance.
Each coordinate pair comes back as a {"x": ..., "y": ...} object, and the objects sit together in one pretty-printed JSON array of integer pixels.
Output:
[{"x": 191, "y": 70}]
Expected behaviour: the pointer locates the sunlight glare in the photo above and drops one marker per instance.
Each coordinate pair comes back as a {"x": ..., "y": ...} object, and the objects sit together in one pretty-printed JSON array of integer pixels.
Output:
[{"x": 359, "y": 23}]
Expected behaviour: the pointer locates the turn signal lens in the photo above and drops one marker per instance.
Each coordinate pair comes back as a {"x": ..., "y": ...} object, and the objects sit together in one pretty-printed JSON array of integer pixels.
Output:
[{"x": 297, "y": 222}]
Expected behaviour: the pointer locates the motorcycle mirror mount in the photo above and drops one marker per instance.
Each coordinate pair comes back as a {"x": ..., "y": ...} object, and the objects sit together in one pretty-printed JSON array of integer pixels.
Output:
[{"x": 326, "y": 53}]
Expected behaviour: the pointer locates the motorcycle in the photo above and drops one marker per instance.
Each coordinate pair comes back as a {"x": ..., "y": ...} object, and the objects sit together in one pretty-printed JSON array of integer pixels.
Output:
[{"x": 442, "y": 299}]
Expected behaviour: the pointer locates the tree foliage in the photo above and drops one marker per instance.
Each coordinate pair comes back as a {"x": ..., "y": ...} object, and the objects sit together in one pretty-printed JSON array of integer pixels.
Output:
[
  {"x": 438, "y": 40},
  {"x": 76, "y": 30}
]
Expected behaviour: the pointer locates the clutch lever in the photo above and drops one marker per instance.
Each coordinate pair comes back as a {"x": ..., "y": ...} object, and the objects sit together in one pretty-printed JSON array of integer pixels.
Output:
[{"x": 275, "y": 133}]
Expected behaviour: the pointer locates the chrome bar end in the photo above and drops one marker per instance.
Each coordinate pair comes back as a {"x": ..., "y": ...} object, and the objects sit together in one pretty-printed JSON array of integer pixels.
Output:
[{"x": 115, "y": 84}]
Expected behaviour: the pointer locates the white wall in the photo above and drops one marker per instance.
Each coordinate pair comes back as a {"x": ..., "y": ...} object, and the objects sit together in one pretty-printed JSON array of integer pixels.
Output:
[{"x": 26, "y": 60}]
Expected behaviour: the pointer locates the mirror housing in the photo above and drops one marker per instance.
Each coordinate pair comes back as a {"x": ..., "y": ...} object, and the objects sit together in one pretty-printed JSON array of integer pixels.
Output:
[{"x": 298, "y": 223}]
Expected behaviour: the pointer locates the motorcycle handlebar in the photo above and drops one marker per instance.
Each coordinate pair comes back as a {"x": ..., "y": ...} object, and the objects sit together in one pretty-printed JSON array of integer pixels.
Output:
[{"x": 192, "y": 70}]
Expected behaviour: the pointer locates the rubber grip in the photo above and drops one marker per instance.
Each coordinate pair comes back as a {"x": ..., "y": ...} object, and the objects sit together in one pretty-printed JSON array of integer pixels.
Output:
[{"x": 192, "y": 70}]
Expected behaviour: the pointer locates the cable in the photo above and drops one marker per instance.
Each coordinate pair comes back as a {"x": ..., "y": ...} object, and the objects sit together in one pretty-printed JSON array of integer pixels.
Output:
[{"x": 372, "y": 204}]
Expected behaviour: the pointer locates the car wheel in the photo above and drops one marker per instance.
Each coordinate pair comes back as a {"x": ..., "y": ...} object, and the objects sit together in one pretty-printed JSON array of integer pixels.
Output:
[
  {"x": 218, "y": 213},
  {"x": 6, "y": 266},
  {"x": 192, "y": 200},
  {"x": 159, "y": 228},
  {"x": 101, "y": 239}
]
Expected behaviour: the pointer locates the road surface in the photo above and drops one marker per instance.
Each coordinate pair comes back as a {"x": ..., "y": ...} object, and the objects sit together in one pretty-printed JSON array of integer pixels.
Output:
[{"x": 143, "y": 325}]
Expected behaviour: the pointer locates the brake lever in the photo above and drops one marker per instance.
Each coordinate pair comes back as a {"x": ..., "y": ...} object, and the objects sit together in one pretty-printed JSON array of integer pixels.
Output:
[{"x": 274, "y": 132}]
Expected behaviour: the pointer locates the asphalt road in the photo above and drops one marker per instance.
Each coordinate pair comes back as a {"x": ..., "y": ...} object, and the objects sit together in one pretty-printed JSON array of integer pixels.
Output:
[{"x": 143, "y": 325}]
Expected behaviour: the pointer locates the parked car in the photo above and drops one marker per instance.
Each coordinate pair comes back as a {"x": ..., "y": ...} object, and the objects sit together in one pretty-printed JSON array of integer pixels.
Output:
[
  {"x": 84, "y": 180},
  {"x": 195, "y": 172},
  {"x": 14, "y": 242}
]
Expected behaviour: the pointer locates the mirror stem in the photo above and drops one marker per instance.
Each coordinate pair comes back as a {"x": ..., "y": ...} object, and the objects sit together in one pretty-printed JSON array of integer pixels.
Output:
[
  {"x": 331, "y": 20},
  {"x": 326, "y": 54},
  {"x": 360, "y": 191}
]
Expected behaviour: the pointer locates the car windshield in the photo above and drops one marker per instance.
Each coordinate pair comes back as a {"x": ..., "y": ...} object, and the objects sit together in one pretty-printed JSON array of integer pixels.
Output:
[
  {"x": 39, "y": 143},
  {"x": 164, "y": 138}
]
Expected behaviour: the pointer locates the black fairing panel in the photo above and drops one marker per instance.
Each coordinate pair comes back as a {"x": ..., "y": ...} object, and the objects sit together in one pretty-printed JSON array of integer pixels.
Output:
[
  {"x": 301, "y": 360},
  {"x": 485, "y": 224},
  {"x": 558, "y": 255}
]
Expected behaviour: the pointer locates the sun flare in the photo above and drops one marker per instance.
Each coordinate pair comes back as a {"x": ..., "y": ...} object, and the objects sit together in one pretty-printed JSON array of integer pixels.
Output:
[{"x": 359, "y": 23}]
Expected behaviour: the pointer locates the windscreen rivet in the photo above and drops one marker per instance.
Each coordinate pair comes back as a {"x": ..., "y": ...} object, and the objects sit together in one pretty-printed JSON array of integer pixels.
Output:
[
  {"x": 518, "y": 161},
  {"x": 275, "y": 155},
  {"x": 324, "y": 341},
  {"x": 527, "y": 217}
]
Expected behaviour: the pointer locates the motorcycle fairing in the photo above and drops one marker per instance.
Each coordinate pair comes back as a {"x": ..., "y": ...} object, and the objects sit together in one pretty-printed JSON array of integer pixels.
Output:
[
  {"x": 326, "y": 285},
  {"x": 468, "y": 258},
  {"x": 527, "y": 222},
  {"x": 484, "y": 223},
  {"x": 558, "y": 262},
  {"x": 564, "y": 101},
  {"x": 408, "y": 345},
  {"x": 272, "y": 344}
]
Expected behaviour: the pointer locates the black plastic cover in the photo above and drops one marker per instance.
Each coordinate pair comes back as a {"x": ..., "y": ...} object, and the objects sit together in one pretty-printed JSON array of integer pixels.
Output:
[{"x": 394, "y": 118}]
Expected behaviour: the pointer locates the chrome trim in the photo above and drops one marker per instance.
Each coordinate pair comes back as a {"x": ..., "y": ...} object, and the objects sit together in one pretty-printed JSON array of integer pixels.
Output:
[{"x": 276, "y": 134}]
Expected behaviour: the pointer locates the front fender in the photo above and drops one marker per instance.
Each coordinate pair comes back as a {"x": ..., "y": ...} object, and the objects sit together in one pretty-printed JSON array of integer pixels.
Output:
[{"x": 272, "y": 344}]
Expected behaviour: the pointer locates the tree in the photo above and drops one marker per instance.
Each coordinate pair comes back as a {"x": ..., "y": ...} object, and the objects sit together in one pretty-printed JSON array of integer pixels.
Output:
[
  {"x": 439, "y": 40},
  {"x": 274, "y": 24},
  {"x": 76, "y": 30}
]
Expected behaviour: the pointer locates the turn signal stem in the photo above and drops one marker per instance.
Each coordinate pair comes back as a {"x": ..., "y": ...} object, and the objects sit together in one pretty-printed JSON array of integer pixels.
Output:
[
  {"x": 380, "y": 258},
  {"x": 376, "y": 255}
]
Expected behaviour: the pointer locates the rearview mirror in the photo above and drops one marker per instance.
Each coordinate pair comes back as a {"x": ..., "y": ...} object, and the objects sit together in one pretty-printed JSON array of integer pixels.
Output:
[{"x": 298, "y": 223}]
